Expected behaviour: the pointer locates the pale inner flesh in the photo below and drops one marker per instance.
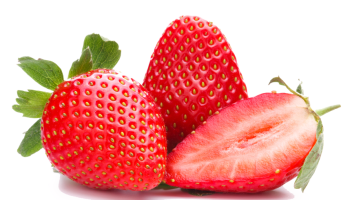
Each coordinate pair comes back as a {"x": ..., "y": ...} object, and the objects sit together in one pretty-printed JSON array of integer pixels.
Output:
[{"x": 247, "y": 144}]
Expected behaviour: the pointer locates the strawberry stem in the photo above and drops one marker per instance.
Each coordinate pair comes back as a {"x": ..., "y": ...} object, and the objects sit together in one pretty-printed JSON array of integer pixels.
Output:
[
  {"x": 281, "y": 82},
  {"x": 323, "y": 111}
]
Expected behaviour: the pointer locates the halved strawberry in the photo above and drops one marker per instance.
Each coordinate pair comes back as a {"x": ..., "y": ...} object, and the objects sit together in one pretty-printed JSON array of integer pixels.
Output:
[
  {"x": 192, "y": 74},
  {"x": 253, "y": 145}
]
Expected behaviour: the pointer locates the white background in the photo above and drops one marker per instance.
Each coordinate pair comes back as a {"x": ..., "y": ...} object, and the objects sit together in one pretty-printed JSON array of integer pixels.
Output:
[{"x": 307, "y": 40}]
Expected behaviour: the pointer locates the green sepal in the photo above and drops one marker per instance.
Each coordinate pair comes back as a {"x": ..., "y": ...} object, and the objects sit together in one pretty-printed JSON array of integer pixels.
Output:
[
  {"x": 311, "y": 161},
  {"x": 197, "y": 192},
  {"x": 31, "y": 103},
  {"x": 105, "y": 53},
  {"x": 323, "y": 111},
  {"x": 44, "y": 72},
  {"x": 300, "y": 89},
  {"x": 306, "y": 99},
  {"x": 164, "y": 186},
  {"x": 31, "y": 142},
  {"x": 281, "y": 82},
  {"x": 54, "y": 170},
  {"x": 83, "y": 65}
]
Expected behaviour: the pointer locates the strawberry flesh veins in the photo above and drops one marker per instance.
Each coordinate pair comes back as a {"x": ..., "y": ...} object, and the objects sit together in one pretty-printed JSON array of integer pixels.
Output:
[
  {"x": 251, "y": 146},
  {"x": 192, "y": 74}
]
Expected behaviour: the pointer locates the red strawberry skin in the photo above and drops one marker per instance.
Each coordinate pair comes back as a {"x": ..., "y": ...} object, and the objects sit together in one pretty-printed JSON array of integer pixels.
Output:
[
  {"x": 192, "y": 74},
  {"x": 103, "y": 130},
  {"x": 251, "y": 146}
]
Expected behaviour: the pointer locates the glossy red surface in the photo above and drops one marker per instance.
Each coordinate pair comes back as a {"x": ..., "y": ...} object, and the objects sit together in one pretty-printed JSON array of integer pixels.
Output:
[
  {"x": 192, "y": 74},
  {"x": 103, "y": 130}
]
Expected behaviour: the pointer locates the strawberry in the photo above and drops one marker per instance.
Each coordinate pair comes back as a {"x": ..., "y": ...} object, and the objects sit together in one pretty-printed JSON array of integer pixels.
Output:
[
  {"x": 251, "y": 146},
  {"x": 103, "y": 130},
  {"x": 100, "y": 128},
  {"x": 192, "y": 74}
]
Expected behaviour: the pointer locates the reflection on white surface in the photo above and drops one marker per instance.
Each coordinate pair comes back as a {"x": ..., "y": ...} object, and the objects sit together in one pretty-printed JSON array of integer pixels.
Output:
[{"x": 67, "y": 189}]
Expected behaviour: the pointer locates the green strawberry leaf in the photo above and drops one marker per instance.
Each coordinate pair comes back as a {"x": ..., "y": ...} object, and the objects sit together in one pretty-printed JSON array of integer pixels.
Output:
[
  {"x": 32, "y": 140},
  {"x": 300, "y": 89},
  {"x": 31, "y": 103},
  {"x": 311, "y": 161},
  {"x": 83, "y": 65},
  {"x": 105, "y": 53},
  {"x": 164, "y": 186},
  {"x": 44, "y": 72},
  {"x": 197, "y": 192}
]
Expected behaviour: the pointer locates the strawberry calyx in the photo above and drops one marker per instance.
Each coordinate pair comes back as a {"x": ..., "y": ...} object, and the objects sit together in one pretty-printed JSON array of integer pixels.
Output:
[
  {"x": 312, "y": 159},
  {"x": 300, "y": 93},
  {"x": 31, "y": 142},
  {"x": 83, "y": 65},
  {"x": 198, "y": 193},
  {"x": 98, "y": 53},
  {"x": 164, "y": 186},
  {"x": 31, "y": 103},
  {"x": 325, "y": 110}
]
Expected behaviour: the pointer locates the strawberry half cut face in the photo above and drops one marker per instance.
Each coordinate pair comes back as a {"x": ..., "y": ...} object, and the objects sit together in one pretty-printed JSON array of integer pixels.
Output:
[{"x": 254, "y": 145}]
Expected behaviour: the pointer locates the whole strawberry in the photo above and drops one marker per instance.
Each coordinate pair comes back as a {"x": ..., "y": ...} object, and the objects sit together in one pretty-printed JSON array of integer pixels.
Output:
[
  {"x": 254, "y": 145},
  {"x": 192, "y": 74},
  {"x": 100, "y": 128}
]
